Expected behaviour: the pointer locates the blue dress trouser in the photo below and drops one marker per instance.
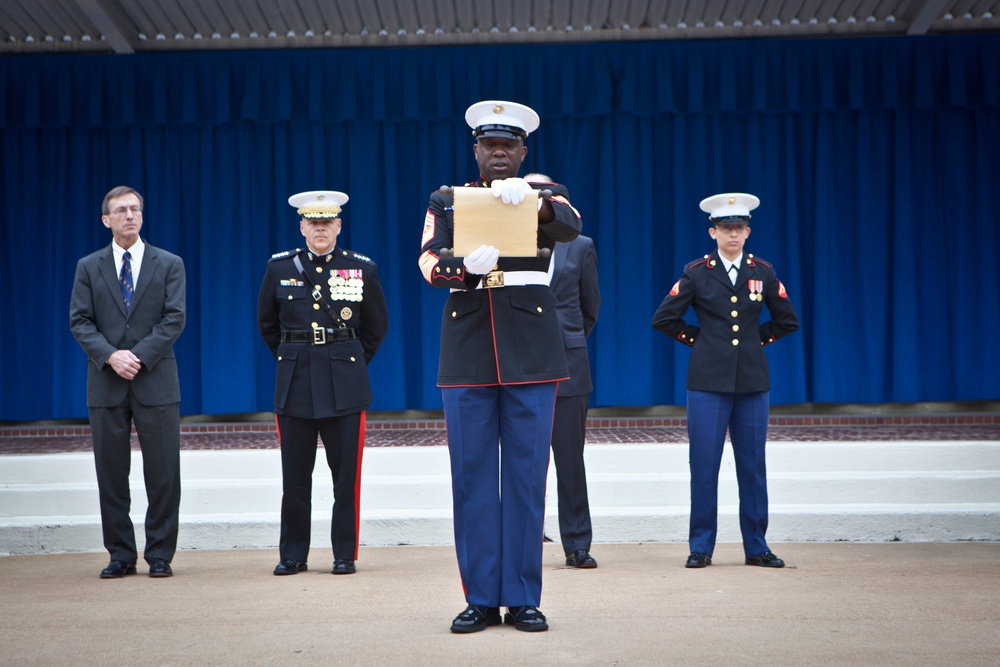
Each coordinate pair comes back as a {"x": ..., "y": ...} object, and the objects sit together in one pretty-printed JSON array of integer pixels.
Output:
[
  {"x": 709, "y": 415},
  {"x": 498, "y": 442}
]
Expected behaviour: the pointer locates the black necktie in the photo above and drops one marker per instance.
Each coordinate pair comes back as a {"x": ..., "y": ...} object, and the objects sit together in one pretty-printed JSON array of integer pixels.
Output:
[
  {"x": 732, "y": 275},
  {"x": 125, "y": 281}
]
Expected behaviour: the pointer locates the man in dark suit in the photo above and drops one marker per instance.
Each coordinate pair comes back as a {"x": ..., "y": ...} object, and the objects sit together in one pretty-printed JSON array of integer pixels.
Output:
[
  {"x": 126, "y": 311},
  {"x": 728, "y": 381},
  {"x": 578, "y": 301},
  {"x": 322, "y": 313}
]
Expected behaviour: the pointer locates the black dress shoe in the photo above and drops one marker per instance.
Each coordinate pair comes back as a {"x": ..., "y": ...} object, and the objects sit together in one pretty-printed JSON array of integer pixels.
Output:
[
  {"x": 475, "y": 618},
  {"x": 160, "y": 568},
  {"x": 117, "y": 569},
  {"x": 698, "y": 559},
  {"x": 290, "y": 567},
  {"x": 581, "y": 559},
  {"x": 766, "y": 559},
  {"x": 526, "y": 619},
  {"x": 343, "y": 566}
]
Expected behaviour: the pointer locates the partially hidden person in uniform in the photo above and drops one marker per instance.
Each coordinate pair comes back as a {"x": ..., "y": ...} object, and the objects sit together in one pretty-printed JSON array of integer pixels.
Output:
[
  {"x": 578, "y": 302},
  {"x": 500, "y": 360},
  {"x": 126, "y": 311},
  {"x": 322, "y": 313},
  {"x": 728, "y": 382}
]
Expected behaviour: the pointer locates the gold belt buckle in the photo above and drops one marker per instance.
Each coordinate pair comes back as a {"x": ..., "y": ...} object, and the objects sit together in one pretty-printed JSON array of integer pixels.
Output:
[
  {"x": 493, "y": 279},
  {"x": 319, "y": 335}
]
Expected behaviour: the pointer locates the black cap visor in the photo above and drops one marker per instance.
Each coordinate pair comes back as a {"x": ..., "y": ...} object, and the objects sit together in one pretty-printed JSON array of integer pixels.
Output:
[{"x": 505, "y": 131}]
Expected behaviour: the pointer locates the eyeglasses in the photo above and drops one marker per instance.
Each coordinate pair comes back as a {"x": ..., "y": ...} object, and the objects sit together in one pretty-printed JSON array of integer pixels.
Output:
[{"x": 122, "y": 210}]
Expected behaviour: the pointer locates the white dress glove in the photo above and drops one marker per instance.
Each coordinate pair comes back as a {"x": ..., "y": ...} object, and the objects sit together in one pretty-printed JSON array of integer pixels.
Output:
[
  {"x": 481, "y": 260},
  {"x": 510, "y": 190}
]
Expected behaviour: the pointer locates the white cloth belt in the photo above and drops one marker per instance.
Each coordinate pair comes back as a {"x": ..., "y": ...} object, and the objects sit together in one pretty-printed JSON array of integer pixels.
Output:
[{"x": 514, "y": 279}]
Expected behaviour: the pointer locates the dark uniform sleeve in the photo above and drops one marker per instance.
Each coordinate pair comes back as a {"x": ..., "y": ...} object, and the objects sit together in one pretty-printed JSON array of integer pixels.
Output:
[
  {"x": 439, "y": 233},
  {"x": 565, "y": 224},
  {"x": 783, "y": 320},
  {"x": 267, "y": 314},
  {"x": 374, "y": 315},
  {"x": 669, "y": 317}
]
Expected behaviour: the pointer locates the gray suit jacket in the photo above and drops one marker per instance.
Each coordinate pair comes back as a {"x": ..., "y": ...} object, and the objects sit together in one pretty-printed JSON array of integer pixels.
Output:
[
  {"x": 578, "y": 300},
  {"x": 99, "y": 324}
]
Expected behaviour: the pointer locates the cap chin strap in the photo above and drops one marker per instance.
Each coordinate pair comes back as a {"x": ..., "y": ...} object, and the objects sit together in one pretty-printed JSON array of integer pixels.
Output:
[{"x": 513, "y": 131}]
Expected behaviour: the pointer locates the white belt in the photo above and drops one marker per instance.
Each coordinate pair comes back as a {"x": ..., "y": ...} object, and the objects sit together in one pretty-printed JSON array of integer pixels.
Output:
[
  {"x": 513, "y": 279},
  {"x": 495, "y": 279}
]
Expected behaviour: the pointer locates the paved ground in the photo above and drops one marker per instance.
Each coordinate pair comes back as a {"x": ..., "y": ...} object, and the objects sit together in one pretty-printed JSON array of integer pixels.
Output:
[{"x": 836, "y": 604}]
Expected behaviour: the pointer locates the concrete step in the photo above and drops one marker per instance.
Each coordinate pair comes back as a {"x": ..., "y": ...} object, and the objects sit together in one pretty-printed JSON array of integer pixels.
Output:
[
  {"x": 420, "y": 492},
  {"x": 869, "y": 491}
]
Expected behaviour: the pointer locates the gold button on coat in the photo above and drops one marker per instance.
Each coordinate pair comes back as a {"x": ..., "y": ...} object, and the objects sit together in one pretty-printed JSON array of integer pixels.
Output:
[
  {"x": 734, "y": 314},
  {"x": 736, "y": 342}
]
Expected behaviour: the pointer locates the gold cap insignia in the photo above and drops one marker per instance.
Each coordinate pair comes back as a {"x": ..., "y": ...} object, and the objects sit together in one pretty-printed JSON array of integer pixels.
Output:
[
  {"x": 732, "y": 200},
  {"x": 498, "y": 108}
]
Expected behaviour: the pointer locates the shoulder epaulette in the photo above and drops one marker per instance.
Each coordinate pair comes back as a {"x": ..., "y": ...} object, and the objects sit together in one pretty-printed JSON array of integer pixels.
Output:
[
  {"x": 350, "y": 254},
  {"x": 757, "y": 260},
  {"x": 284, "y": 253},
  {"x": 703, "y": 260}
]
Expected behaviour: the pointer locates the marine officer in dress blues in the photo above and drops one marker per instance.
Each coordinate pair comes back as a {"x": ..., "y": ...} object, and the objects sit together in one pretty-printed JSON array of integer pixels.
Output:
[
  {"x": 728, "y": 382},
  {"x": 322, "y": 313},
  {"x": 501, "y": 357}
]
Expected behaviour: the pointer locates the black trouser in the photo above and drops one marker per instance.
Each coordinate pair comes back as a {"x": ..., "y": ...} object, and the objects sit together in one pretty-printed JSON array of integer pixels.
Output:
[
  {"x": 344, "y": 445},
  {"x": 568, "y": 435},
  {"x": 158, "y": 428}
]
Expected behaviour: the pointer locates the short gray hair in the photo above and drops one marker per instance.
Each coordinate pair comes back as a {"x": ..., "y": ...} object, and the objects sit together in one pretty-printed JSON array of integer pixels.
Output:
[{"x": 114, "y": 193}]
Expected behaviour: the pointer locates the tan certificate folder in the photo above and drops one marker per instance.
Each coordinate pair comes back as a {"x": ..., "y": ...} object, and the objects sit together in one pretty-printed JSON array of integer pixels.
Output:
[{"x": 482, "y": 219}]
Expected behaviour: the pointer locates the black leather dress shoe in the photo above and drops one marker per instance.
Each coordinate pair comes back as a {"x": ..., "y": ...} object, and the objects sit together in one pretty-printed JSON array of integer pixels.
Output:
[
  {"x": 698, "y": 559},
  {"x": 526, "y": 619},
  {"x": 475, "y": 618},
  {"x": 160, "y": 568},
  {"x": 290, "y": 567},
  {"x": 344, "y": 566},
  {"x": 117, "y": 569},
  {"x": 581, "y": 559},
  {"x": 766, "y": 559}
]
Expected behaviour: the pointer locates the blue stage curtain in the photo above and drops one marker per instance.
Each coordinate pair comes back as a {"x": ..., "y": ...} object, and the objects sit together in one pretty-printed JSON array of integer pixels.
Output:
[{"x": 875, "y": 161}]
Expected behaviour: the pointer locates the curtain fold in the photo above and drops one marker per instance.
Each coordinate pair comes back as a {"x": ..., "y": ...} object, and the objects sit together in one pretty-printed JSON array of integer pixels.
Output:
[{"x": 875, "y": 161}]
